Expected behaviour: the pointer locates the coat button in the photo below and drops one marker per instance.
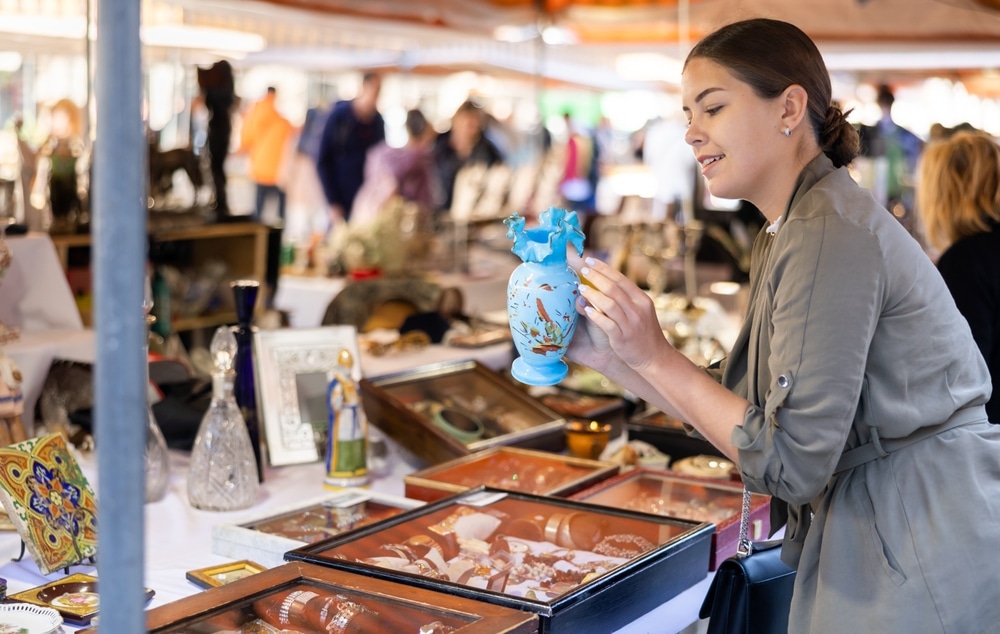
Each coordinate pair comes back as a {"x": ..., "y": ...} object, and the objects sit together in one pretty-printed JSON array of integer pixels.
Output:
[{"x": 783, "y": 381}]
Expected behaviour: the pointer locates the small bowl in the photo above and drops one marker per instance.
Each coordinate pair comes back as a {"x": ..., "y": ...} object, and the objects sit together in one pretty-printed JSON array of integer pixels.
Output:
[{"x": 587, "y": 439}]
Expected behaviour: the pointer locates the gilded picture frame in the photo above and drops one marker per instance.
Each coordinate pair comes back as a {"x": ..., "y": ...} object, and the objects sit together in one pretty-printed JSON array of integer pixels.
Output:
[
  {"x": 293, "y": 368},
  {"x": 215, "y": 576}
]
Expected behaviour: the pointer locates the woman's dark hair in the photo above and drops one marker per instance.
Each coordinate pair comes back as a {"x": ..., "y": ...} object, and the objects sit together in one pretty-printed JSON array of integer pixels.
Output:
[
  {"x": 416, "y": 123},
  {"x": 769, "y": 56}
]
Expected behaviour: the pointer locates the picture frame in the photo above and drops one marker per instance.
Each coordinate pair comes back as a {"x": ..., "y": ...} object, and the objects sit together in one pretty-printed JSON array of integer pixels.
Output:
[
  {"x": 215, "y": 576},
  {"x": 293, "y": 368},
  {"x": 74, "y": 597}
]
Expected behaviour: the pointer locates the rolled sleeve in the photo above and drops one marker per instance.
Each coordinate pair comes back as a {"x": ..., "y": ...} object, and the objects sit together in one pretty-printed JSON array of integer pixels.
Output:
[{"x": 823, "y": 297}]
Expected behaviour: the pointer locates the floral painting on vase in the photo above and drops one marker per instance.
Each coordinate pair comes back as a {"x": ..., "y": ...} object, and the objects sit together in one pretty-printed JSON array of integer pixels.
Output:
[{"x": 50, "y": 502}]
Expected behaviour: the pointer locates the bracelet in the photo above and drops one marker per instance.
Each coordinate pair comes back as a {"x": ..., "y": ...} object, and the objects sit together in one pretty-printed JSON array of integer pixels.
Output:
[
  {"x": 457, "y": 423},
  {"x": 325, "y": 612},
  {"x": 346, "y": 612},
  {"x": 286, "y": 605},
  {"x": 552, "y": 527}
]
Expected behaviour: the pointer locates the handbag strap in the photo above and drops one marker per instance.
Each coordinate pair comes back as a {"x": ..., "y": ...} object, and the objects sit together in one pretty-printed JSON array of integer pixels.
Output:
[{"x": 744, "y": 548}]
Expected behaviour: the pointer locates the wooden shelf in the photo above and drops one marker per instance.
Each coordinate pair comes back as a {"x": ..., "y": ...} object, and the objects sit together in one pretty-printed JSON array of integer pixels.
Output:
[{"x": 241, "y": 245}]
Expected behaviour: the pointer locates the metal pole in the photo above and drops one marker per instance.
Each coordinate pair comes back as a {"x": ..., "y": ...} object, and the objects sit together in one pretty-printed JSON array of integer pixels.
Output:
[{"x": 119, "y": 255}]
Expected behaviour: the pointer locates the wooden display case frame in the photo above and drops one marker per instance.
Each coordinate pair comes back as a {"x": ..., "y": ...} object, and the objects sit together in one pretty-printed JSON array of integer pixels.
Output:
[
  {"x": 433, "y": 483},
  {"x": 597, "y": 604},
  {"x": 483, "y": 618},
  {"x": 727, "y": 532},
  {"x": 420, "y": 435},
  {"x": 241, "y": 540}
]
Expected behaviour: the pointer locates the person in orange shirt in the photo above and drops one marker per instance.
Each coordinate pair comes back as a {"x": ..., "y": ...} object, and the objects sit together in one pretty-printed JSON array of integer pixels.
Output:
[{"x": 265, "y": 136}]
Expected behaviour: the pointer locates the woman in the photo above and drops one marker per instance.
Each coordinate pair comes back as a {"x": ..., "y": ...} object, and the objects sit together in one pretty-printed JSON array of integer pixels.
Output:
[
  {"x": 406, "y": 171},
  {"x": 851, "y": 343},
  {"x": 959, "y": 200}
]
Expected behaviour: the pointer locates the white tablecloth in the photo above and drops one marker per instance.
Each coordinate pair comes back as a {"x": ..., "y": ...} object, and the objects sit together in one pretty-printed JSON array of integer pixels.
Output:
[
  {"x": 484, "y": 288},
  {"x": 34, "y": 293}
]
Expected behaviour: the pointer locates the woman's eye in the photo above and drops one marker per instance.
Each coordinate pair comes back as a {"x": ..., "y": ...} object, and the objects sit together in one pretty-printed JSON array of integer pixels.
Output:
[{"x": 713, "y": 110}]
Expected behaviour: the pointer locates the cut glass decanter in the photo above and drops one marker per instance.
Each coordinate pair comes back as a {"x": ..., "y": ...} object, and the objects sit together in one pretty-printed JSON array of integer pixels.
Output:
[{"x": 223, "y": 474}]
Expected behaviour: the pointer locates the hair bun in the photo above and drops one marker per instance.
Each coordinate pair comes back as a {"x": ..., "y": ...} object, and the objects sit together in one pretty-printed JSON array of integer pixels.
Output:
[{"x": 838, "y": 137}]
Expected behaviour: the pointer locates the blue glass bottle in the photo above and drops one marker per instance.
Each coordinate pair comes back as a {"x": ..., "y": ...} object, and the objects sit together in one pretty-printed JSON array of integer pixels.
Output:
[{"x": 244, "y": 388}]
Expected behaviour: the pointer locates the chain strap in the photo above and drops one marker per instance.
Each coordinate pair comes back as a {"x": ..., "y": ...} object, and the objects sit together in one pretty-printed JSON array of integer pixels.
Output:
[{"x": 745, "y": 547}]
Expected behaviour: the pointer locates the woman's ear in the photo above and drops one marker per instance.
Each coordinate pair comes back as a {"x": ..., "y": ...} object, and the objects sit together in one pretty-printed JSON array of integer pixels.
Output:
[{"x": 794, "y": 106}]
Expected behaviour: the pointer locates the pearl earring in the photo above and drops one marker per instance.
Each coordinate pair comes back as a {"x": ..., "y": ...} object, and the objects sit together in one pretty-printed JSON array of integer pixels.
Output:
[{"x": 787, "y": 131}]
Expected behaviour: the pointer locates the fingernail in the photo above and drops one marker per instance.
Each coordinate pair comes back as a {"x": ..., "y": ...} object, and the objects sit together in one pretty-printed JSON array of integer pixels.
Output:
[
  {"x": 581, "y": 302},
  {"x": 590, "y": 261},
  {"x": 584, "y": 270},
  {"x": 589, "y": 310}
]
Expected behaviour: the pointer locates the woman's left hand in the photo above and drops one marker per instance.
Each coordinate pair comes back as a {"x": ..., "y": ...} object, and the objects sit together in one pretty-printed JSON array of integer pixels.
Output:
[{"x": 624, "y": 313}]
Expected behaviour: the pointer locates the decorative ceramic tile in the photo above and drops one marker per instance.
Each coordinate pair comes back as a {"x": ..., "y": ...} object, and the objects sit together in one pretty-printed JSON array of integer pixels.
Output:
[{"x": 50, "y": 502}]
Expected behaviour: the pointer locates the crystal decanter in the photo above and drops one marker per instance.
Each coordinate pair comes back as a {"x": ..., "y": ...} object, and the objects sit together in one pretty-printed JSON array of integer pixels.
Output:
[
  {"x": 223, "y": 474},
  {"x": 156, "y": 457}
]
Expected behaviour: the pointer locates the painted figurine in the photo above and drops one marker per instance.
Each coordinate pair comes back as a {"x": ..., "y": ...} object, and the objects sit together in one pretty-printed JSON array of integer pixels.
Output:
[{"x": 347, "y": 437}]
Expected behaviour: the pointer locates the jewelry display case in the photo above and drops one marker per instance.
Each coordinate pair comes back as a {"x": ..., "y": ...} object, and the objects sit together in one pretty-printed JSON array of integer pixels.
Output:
[
  {"x": 581, "y": 568},
  {"x": 511, "y": 469},
  {"x": 298, "y": 597},
  {"x": 447, "y": 410},
  {"x": 686, "y": 497},
  {"x": 667, "y": 434},
  {"x": 266, "y": 538}
]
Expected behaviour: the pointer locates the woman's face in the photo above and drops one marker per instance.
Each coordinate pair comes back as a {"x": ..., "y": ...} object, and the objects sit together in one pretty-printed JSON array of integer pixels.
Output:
[{"x": 733, "y": 132}]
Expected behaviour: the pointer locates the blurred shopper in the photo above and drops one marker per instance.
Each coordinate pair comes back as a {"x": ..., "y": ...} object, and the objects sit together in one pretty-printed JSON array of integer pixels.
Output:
[
  {"x": 894, "y": 152},
  {"x": 462, "y": 145},
  {"x": 958, "y": 195},
  {"x": 219, "y": 95},
  {"x": 407, "y": 172},
  {"x": 353, "y": 128},
  {"x": 578, "y": 186},
  {"x": 672, "y": 163},
  {"x": 265, "y": 136}
]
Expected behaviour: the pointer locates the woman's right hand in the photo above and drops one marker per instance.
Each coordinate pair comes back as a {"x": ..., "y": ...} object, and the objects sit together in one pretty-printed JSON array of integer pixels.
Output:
[{"x": 621, "y": 321}]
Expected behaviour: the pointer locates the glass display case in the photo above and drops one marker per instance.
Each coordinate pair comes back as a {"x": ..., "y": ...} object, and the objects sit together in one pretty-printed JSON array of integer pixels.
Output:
[
  {"x": 508, "y": 468},
  {"x": 580, "y": 567},
  {"x": 447, "y": 410},
  {"x": 686, "y": 497},
  {"x": 667, "y": 434},
  {"x": 266, "y": 538},
  {"x": 298, "y": 597}
]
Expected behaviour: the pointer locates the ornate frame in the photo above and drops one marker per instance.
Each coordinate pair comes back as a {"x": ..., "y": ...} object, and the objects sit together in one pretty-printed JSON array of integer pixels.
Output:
[{"x": 282, "y": 357}]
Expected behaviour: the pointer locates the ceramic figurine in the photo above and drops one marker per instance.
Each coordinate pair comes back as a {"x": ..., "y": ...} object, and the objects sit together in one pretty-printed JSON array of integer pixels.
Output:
[
  {"x": 541, "y": 293},
  {"x": 347, "y": 437}
]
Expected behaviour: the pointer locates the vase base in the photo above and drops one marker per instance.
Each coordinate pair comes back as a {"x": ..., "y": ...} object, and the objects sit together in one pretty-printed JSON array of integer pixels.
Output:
[{"x": 549, "y": 374}]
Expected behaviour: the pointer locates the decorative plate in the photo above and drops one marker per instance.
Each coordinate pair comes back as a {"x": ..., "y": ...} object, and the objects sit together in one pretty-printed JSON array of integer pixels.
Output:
[
  {"x": 24, "y": 618},
  {"x": 73, "y": 597}
]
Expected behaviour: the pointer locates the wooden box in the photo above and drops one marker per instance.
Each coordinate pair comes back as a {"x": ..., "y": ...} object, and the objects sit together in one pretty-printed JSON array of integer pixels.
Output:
[
  {"x": 587, "y": 407},
  {"x": 299, "y": 597},
  {"x": 687, "y": 497},
  {"x": 266, "y": 538},
  {"x": 511, "y": 469},
  {"x": 446, "y": 410},
  {"x": 581, "y": 568},
  {"x": 667, "y": 434}
]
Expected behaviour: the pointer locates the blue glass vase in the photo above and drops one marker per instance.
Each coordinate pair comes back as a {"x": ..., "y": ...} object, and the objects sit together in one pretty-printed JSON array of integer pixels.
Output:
[
  {"x": 244, "y": 387},
  {"x": 541, "y": 294}
]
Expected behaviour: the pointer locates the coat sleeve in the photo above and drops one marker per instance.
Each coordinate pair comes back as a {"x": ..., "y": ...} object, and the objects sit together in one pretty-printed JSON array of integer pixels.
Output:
[{"x": 823, "y": 297}]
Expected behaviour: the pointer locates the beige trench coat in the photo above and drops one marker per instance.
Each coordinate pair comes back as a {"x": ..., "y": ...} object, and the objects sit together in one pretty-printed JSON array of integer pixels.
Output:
[{"x": 850, "y": 326}]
